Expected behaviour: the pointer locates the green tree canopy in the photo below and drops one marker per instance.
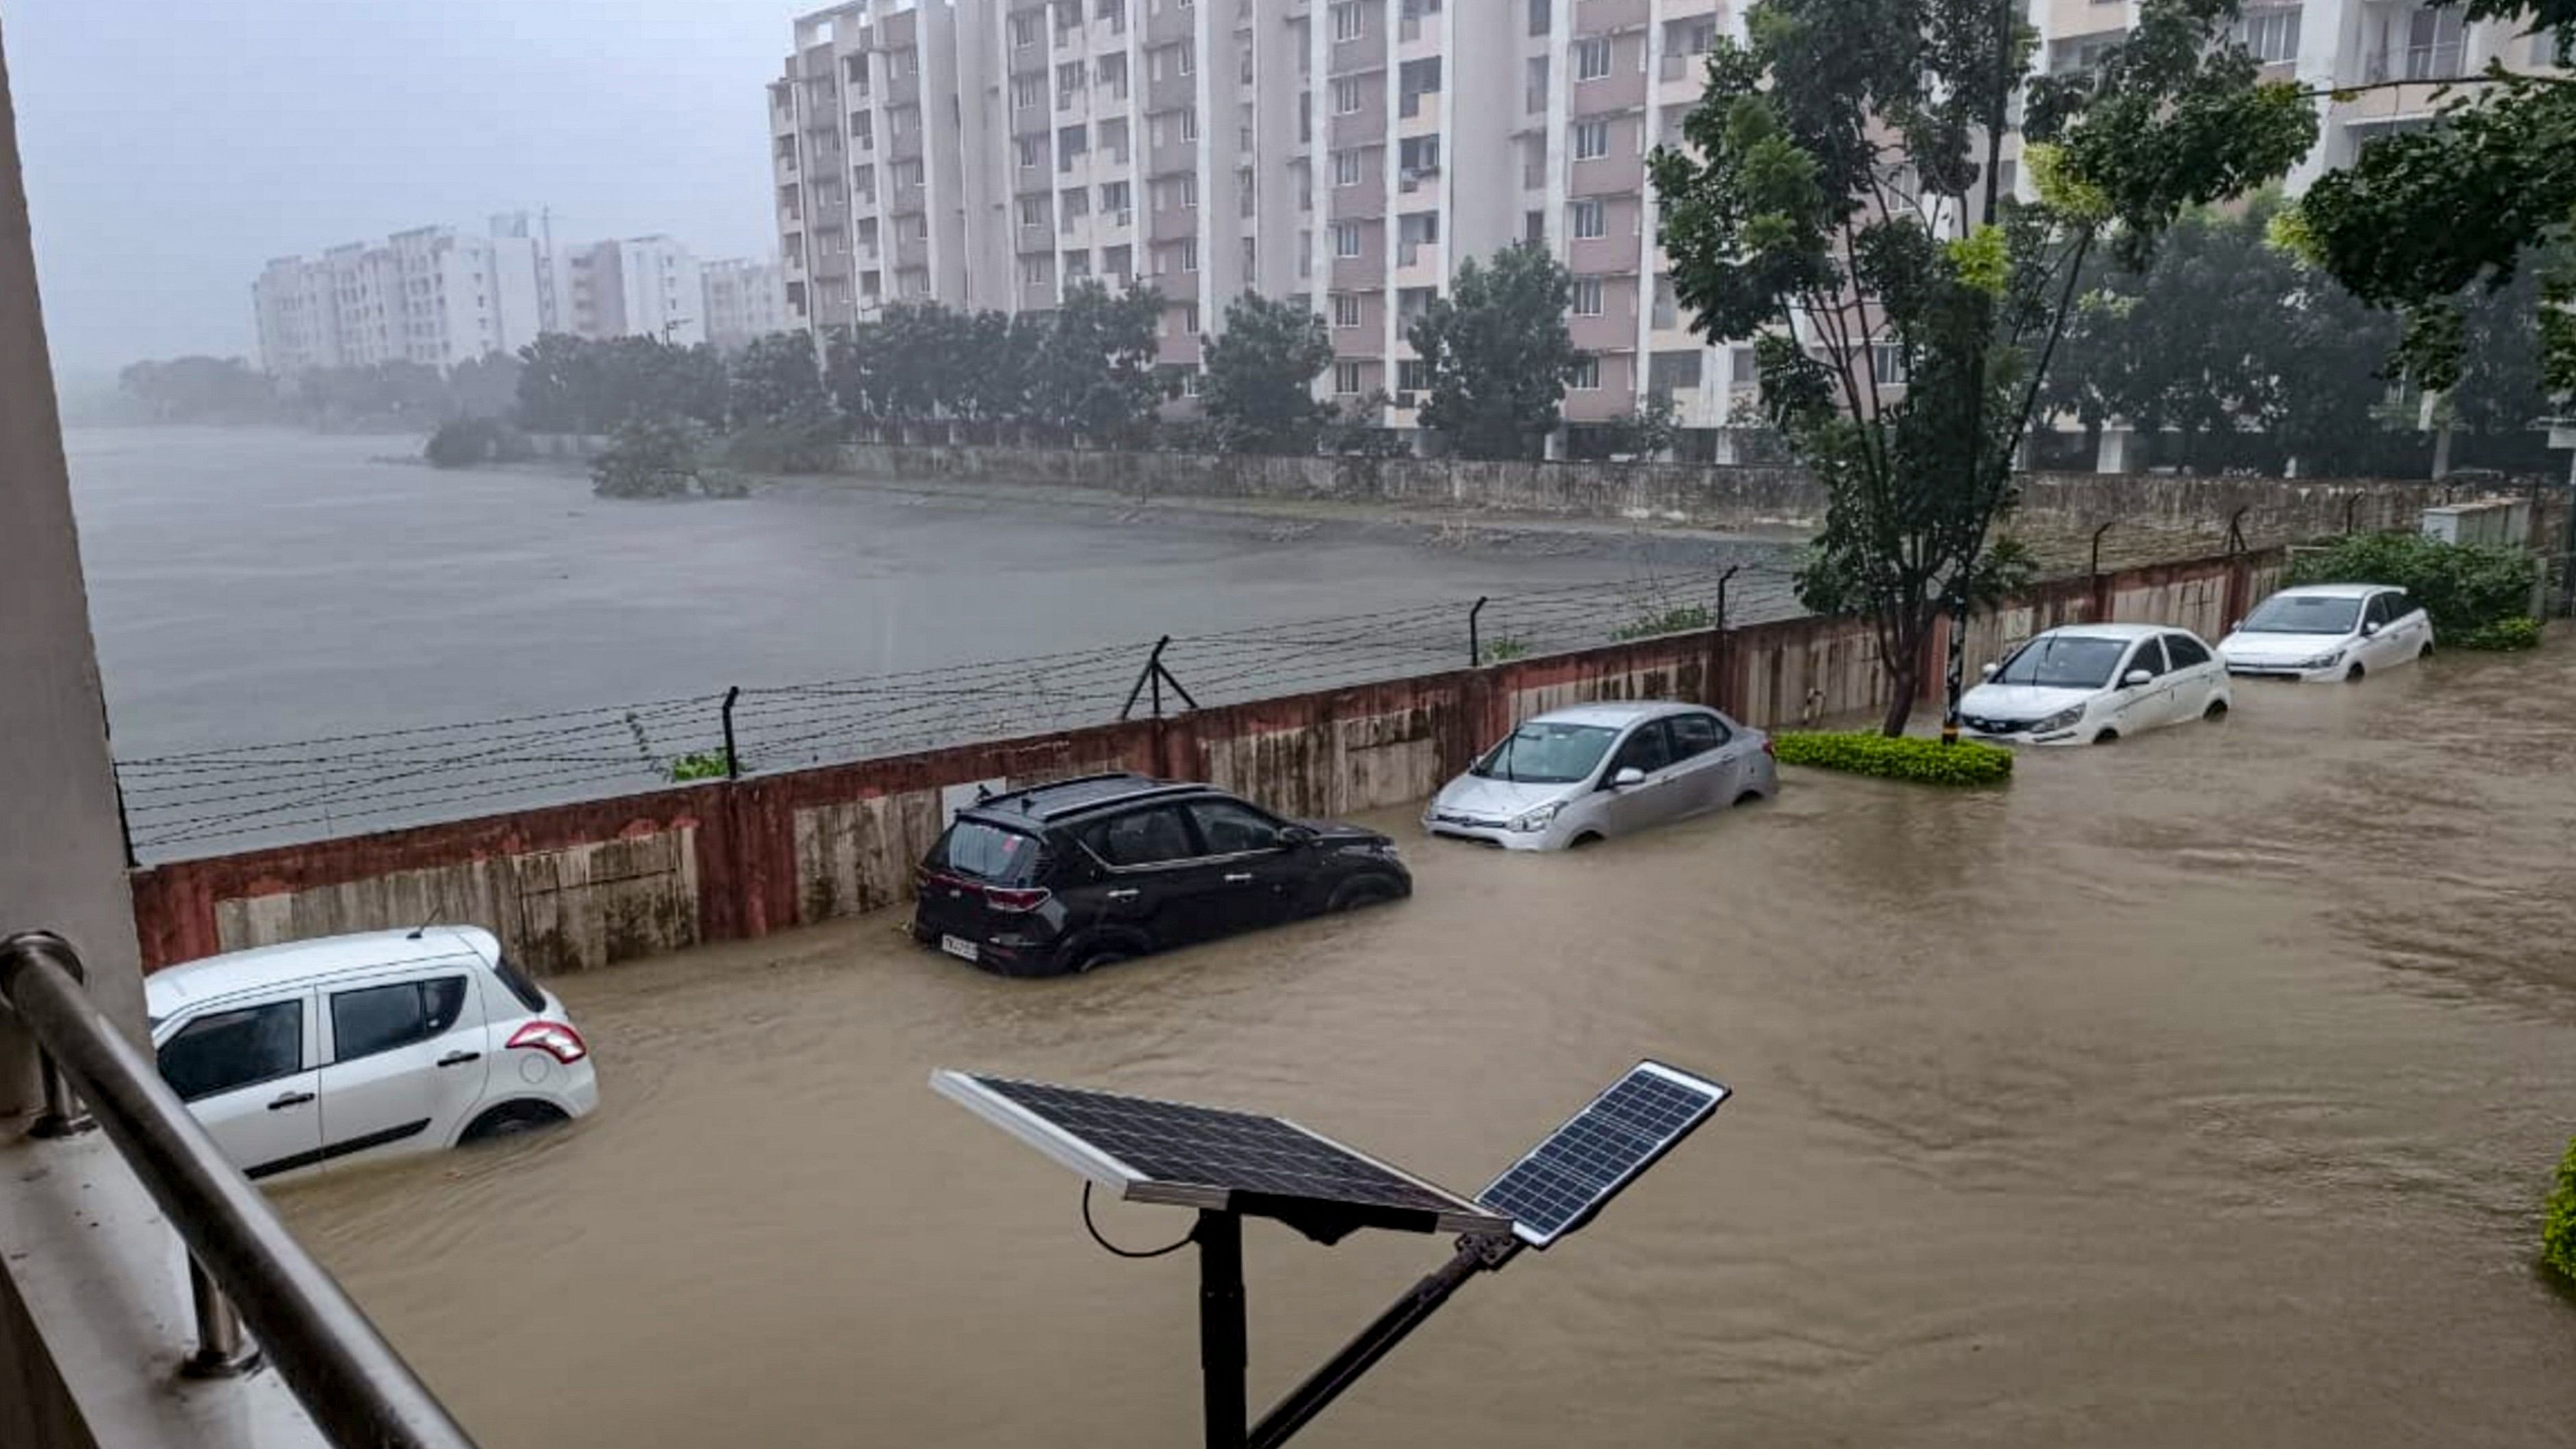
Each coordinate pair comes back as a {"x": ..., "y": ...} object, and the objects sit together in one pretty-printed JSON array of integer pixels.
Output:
[
  {"x": 1260, "y": 375},
  {"x": 775, "y": 378},
  {"x": 1497, "y": 353},
  {"x": 1093, "y": 374},
  {"x": 1839, "y": 201}
]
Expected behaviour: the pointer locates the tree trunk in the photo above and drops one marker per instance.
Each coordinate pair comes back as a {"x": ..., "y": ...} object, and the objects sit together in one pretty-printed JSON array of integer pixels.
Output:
[{"x": 1901, "y": 708}]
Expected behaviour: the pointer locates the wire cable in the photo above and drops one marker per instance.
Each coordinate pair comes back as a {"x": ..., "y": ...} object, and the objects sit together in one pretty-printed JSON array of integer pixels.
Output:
[{"x": 1186, "y": 1238}]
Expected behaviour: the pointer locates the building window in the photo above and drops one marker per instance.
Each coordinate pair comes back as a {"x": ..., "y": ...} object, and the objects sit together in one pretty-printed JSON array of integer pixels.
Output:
[
  {"x": 863, "y": 131},
  {"x": 2272, "y": 35},
  {"x": 1068, "y": 83},
  {"x": 1032, "y": 152},
  {"x": 1587, "y": 296},
  {"x": 1591, "y": 59},
  {"x": 1587, "y": 219},
  {"x": 1190, "y": 190},
  {"x": 1534, "y": 89},
  {"x": 1111, "y": 73},
  {"x": 1033, "y": 211},
  {"x": 1189, "y": 58},
  {"x": 1587, "y": 374},
  {"x": 1189, "y": 254},
  {"x": 1591, "y": 140},
  {"x": 1346, "y": 168},
  {"x": 1346, "y": 20},
  {"x": 1346, "y": 309},
  {"x": 1190, "y": 124},
  {"x": 1534, "y": 227},
  {"x": 1347, "y": 379},
  {"x": 1024, "y": 31},
  {"x": 1346, "y": 238},
  {"x": 907, "y": 174},
  {"x": 1887, "y": 363},
  {"x": 1113, "y": 201},
  {"x": 1538, "y": 17},
  {"x": 2432, "y": 44},
  {"x": 1346, "y": 95},
  {"x": 1118, "y": 262},
  {"x": 1077, "y": 265},
  {"x": 1190, "y": 320},
  {"x": 1113, "y": 139},
  {"x": 1033, "y": 271}
]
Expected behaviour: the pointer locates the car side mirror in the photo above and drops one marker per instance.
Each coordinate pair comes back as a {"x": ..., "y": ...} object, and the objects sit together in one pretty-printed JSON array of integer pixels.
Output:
[
  {"x": 1298, "y": 835},
  {"x": 2136, "y": 677},
  {"x": 1627, "y": 777},
  {"x": 1986, "y": 670},
  {"x": 2234, "y": 625},
  {"x": 2369, "y": 628}
]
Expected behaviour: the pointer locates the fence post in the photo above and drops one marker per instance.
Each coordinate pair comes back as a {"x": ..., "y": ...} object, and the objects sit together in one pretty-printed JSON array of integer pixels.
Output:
[
  {"x": 2101, "y": 593},
  {"x": 733, "y": 757},
  {"x": 1712, "y": 689},
  {"x": 1475, "y": 648}
]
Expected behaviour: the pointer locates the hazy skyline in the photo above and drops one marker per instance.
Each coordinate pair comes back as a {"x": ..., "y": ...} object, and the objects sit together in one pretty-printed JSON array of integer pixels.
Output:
[{"x": 172, "y": 147}]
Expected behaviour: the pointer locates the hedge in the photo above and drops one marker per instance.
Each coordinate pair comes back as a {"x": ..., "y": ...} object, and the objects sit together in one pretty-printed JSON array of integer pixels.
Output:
[
  {"x": 2514, "y": 633},
  {"x": 2558, "y": 1234},
  {"x": 1925, "y": 761},
  {"x": 2465, "y": 588}
]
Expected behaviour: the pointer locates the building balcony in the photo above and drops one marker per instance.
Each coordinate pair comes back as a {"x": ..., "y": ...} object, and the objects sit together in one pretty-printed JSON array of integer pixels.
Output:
[
  {"x": 1614, "y": 254},
  {"x": 1173, "y": 223},
  {"x": 1362, "y": 202},
  {"x": 1366, "y": 52},
  {"x": 1365, "y": 272},
  {"x": 1623, "y": 89},
  {"x": 1603, "y": 17},
  {"x": 905, "y": 145},
  {"x": 1363, "y": 127},
  {"x": 1612, "y": 330},
  {"x": 1171, "y": 92},
  {"x": 1616, "y": 174},
  {"x": 1417, "y": 113}
]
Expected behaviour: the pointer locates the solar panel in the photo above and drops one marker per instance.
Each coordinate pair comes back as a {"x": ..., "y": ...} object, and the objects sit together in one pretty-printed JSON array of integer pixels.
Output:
[
  {"x": 1600, "y": 1150},
  {"x": 1206, "y": 1157}
]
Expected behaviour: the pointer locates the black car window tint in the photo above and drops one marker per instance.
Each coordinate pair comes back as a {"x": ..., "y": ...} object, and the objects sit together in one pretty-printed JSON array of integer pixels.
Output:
[
  {"x": 1143, "y": 837},
  {"x": 1695, "y": 734},
  {"x": 376, "y": 1019},
  {"x": 2185, "y": 652},
  {"x": 1232, "y": 829},
  {"x": 1647, "y": 750},
  {"x": 231, "y": 1049},
  {"x": 2150, "y": 657}
]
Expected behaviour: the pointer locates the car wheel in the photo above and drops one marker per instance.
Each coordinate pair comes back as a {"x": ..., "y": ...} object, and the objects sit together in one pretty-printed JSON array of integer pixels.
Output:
[
  {"x": 2354, "y": 674},
  {"x": 2107, "y": 737},
  {"x": 512, "y": 1118},
  {"x": 1090, "y": 961},
  {"x": 1585, "y": 841},
  {"x": 1360, "y": 891},
  {"x": 2217, "y": 710},
  {"x": 1751, "y": 797},
  {"x": 2426, "y": 652}
]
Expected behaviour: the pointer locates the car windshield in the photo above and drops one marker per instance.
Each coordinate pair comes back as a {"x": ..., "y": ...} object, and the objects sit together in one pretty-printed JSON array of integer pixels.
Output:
[
  {"x": 2063, "y": 661},
  {"x": 990, "y": 853},
  {"x": 1546, "y": 753},
  {"x": 2303, "y": 614}
]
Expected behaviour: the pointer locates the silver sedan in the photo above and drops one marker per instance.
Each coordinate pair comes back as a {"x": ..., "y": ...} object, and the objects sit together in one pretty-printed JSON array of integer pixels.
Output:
[{"x": 1574, "y": 776}]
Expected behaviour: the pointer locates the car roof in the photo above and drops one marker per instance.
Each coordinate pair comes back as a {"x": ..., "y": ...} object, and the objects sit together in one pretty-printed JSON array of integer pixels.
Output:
[
  {"x": 260, "y": 968},
  {"x": 1055, "y": 800},
  {"x": 2335, "y": 591},
  {"x": 1613, "y": 714},
  {"x": 2109, "y": 631}
]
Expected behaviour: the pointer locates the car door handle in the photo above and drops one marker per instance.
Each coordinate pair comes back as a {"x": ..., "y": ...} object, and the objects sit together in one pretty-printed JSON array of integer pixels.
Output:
[
  {"x": 1122, "y": 895},
  {"x": 290, "y": 1099},
  {"x": 1241, "y": 877},
  {"x": 458, "y": 1059}
]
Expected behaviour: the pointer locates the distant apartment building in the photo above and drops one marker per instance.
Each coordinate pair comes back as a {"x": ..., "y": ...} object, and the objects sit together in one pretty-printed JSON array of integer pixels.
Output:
[
  {"x": 743, "y": 300},
  {"x": 429, "y": 295},
  {"x": 991, "y": 153},
  {"x": 437, "y": 297}
]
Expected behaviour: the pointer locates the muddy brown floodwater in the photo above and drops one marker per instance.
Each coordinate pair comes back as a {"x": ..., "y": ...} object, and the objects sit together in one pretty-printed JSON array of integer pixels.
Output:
[{"x": 2198, "y": 1090}]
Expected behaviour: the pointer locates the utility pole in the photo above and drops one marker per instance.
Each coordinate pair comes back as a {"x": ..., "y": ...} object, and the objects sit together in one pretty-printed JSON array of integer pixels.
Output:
[{"x": 1958, "y": 662}]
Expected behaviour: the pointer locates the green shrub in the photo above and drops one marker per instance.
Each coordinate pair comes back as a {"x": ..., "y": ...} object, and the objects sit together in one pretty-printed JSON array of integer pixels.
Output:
[
  {"x": 647, "y": 459},
  {"x": 1907, "y": 757},
  {"x": 805, "y": 442},
  {"x": 1679, "y": 619},
  {"x": 703, "y": 765},
  {"x": 465, "y": 442},
  {"x": 2463, "y": 586},
  {"x": 1498, "y": 651},
  {"x": 2558, "y": 1234},
  {"x": 2518, "y": 632}
]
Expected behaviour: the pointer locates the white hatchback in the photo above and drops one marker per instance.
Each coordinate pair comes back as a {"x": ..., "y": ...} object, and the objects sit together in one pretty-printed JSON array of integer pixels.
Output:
[
  {"x": 2087, "y": 683},
  {"x": 2329, "y": 632},
  {"x": 364, "y": 1046}
]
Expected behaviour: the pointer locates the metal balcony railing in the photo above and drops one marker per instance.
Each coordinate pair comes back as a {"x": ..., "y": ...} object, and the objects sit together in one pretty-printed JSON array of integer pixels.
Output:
[{"x": 243, "y": 1265}]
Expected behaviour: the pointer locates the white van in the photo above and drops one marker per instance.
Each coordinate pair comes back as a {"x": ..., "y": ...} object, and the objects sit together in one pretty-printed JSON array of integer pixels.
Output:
[{"x": 371, "y": 1045}]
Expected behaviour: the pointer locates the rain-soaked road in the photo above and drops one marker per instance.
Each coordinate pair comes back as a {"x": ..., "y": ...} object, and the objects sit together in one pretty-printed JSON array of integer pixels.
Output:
[{"x": 2199, "y": 1090}]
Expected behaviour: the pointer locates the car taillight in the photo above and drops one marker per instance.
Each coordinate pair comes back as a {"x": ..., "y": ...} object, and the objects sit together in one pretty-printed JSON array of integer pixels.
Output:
[
  {"x": 556, "y": 1039},
  {"x": 1002, "y": 898},
  {"x": 1769, "y": 749}
]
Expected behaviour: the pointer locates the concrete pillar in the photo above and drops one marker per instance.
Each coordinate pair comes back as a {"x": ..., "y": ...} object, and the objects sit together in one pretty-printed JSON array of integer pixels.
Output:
[
  {"x": 2112, "y": 453},
  {"x": 62, "y": 855}
]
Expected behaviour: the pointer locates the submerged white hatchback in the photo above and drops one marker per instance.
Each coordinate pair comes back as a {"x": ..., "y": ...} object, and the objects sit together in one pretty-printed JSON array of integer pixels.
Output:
[
  {"x": 1571, "y": 777},
  {"x": 364, "y": 1046},
  {"x": 2329, "y": 632},
  {"x": 2088, "y": 683}
]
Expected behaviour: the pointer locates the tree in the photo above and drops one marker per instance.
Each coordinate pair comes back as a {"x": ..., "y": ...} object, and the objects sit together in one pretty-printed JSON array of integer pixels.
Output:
[
  {"x": 1839, "y": 202},
  {"x": 484, "y": 387},
  {"x": 1644, "y": 430},
  {"x": 2421, "y": 217},
  {"x": 1497, "y": 353},
  {"x": 1260, "y": 373},
  {"x": 775, "y": 378},
  {"x": 582, "y": 385},
  {"x": 200, "y": 390},
  {"x": 1094, "y": 371}
]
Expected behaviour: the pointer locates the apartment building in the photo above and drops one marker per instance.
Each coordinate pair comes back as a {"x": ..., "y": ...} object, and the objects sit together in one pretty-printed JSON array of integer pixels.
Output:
[
  {"x": 743, "y": 299},
  {"x": 648, "y": 286},
  {"x": 428, "y": 295},
  {"x": 1353, "y": 152}
]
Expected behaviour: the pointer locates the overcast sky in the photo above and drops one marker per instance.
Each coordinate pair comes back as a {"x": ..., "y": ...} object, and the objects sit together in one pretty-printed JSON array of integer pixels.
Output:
[{"x": 173, "y": 146}]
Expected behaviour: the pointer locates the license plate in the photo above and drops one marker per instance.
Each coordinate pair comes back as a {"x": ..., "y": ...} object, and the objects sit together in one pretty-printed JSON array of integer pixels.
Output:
[{"x": 958, "y": 947}]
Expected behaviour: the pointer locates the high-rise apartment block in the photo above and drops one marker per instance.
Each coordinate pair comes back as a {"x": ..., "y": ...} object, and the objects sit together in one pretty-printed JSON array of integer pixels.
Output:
[
  {"x": 990, "y": 153},
  {"x": 744, "y": 299}
]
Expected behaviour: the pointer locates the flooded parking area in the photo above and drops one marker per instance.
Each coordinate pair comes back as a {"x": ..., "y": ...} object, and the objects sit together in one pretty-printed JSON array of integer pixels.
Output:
[{"x": 2200, "y": 1089}]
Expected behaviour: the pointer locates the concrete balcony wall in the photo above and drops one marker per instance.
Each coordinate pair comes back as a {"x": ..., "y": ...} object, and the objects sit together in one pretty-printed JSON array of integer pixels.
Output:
[
  {"x": 1624, "y": 88},
  {"x": 1368, "y": 339},
  {"x": 903, "y": 90},
  {"x": 905, "y": 145},
  {"x": 1173, "y": 154},
  {"x": 1615, "y": 397},
  {"x": 1365, "y": 271},
  {"x": 1616, "y": 174},
  {"x": 1365, "y": 126},
  {"x": 1166, "y": 20},
  {"x": 1366, "y": 52},
  {"x": 1367, "y": 199},
  {"x": 1031, "y": 121},
  {"x": 1173, "y": 223},
  {"x": 1170, "y": 92},
  {"x": 1595, "y": 17}
]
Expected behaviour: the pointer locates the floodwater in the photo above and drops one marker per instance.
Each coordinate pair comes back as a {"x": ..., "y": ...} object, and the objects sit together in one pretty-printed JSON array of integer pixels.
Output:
[
  {"x": 2198, "y": 1090},
  {"x": 250, "y": 586}
]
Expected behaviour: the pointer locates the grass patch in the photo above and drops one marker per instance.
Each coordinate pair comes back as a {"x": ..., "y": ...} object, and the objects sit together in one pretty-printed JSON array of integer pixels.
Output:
[
  {"x": 702, "y": 765},
  {"x": 1497, "y": 651},
  {"x": 2504, "y": 634},
  {"x": 1923, "y": 761},
  {"x": 2558, "y": 1234},
  {"x": 1680, "y": 619}
]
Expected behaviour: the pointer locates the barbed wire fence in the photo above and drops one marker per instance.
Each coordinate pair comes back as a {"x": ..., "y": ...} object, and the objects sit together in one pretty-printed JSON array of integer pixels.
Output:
[{"x": 196, "y": 802}]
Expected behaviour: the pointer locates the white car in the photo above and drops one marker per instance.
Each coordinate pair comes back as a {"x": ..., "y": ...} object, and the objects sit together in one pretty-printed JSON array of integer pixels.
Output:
[
  {"x": 1571, "y": 777},
  {"x": 2329, "y": 632},
  {"x": 2088, "y": 683},
  {"x": 364, "y": 1046}
]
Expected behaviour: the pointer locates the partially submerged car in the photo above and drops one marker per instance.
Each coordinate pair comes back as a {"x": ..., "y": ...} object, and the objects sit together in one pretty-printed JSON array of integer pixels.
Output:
[
  {"x": 2325, "y": 632},
  {"x": 2092, "y": 683},
  {"x": 1571, "y": 777}
]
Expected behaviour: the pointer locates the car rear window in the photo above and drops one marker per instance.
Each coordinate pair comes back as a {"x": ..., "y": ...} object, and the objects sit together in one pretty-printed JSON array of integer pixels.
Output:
[
  {"x": 985, "y": 852},
  {"x": 520, "y": 986}
]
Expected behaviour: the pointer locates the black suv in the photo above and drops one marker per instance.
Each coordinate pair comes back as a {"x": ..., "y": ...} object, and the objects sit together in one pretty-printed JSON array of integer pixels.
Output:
[{"x": 1081, "y": 873}]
